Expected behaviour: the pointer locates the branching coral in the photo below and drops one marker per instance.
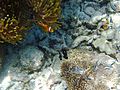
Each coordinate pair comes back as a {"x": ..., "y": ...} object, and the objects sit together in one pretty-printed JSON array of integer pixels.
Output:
[{"x": 47, "y": 13}]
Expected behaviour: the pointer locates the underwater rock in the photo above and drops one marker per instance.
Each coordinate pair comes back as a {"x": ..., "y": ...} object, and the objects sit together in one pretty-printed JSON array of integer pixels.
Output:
[
  {"x": 115, "y": 18},
  {"x": 89, "y": 26},
  {"x": 77, "y": 31},
  {"x": 102, "y": 1},
  {"x": 83, "y": 16},
  {"x": 108, "y": 34},
  {"x": 29, "y": 39},
  {"x": 48, "y": 80},
  {"x": 25, "y": 69},
  {"x": 90, "y": 8},
  {"x": 54, "y": 44},
  {"x": 114, "y": 6},
  {"x": 68, "y": 40},
  {"x": 47, "y": 50},
  {"x": 117, "y": 39},
  {"x": 118, "y": 57},
  {"x": 34, "y": 35},
  {"x": 14, "y": 79},
  {"x": 78, "y": 40},
  {"x": 47, "y": 45},
  {"x": 31, "y": 58},
  {"x": 98, "y": 13},
  {"x": 2, "y": 55},
  {"x": 89, "y": 11},
  {"x": 105, "y": 60},
  {"x": 108, "y": 69},
  {"x": 56, "y": 64},
  {"x": 117, "y": 34},
  {"x": 71, "y": 9},
  {"x": 104, "y": 46},
  {"x": 95, "y": 19}
]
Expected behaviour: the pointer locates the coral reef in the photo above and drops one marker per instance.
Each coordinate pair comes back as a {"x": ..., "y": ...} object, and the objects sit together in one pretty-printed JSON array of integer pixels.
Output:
[
  {"x": 39, "y": 61},
  {"x": 76, "y": 71},
  {"x": 88, "y": 71}
]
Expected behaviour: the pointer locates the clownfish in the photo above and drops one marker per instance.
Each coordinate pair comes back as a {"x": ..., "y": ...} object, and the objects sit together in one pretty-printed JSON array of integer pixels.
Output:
[{"x": 45, "y": 27}]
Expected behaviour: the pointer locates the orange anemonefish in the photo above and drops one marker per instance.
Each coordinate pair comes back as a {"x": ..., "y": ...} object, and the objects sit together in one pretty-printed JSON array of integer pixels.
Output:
[{"x": 45, "y": 27}]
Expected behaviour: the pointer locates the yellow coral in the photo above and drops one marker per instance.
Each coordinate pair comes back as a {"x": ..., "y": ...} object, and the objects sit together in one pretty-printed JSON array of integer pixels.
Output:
[
  {"x": 48, "y": 12},
  {"x": 10, "y": 30}
]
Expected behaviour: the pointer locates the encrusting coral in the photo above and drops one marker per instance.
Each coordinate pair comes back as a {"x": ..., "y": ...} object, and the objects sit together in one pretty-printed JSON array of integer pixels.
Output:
[{"x": 47, "y": 13}]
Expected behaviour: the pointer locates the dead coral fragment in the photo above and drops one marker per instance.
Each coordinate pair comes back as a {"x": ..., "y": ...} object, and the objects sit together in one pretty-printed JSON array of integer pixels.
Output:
[
  {"x": 47, "y": 13},
  {"x": 10, "y": 30}
]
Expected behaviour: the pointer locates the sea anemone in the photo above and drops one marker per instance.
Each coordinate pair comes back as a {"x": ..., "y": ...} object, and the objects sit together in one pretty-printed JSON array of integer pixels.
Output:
[
  {"x": 17, "y": 15},
  {"x": 46, "y": 13},
  {"x": 10, "y": 30},
  {"x": 13, "y": 21}
]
